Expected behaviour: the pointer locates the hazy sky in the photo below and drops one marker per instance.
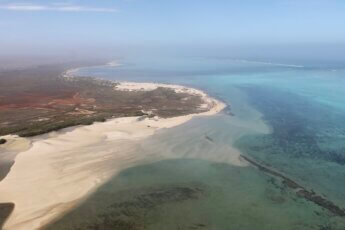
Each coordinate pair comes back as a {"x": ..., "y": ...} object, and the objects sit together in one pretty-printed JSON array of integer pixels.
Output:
[{"x": 102, "y": 23}]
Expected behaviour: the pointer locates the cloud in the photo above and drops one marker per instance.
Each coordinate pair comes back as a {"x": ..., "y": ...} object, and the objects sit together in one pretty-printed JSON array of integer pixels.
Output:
[{"x": 61, "y": 8}]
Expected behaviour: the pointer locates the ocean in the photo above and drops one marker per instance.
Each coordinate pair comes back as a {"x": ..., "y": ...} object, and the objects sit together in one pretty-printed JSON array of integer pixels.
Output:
[{"x": 289, "y": 119}]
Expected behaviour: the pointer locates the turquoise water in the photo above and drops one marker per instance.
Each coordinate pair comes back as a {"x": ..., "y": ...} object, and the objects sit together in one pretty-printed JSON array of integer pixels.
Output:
[{"x": 289, "y": 118}]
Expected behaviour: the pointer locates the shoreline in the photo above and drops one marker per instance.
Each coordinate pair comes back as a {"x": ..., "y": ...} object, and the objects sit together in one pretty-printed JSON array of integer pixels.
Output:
[
  {"x": 62, "y": 168},
  {"x": 69, "y": 72}
]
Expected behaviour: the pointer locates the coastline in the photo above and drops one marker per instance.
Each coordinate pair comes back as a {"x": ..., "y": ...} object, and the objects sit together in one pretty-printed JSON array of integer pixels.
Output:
[
  {"x": 69, "y": 73},
  {"x": 62, "y": 168}
]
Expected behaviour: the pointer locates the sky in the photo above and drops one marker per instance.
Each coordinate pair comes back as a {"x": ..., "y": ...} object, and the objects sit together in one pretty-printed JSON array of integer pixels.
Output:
[{"x": 103, "y": 25}]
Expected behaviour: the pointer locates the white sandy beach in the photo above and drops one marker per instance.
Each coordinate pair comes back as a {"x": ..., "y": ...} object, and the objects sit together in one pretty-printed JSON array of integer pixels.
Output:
[{"x": 62, "y": 168}]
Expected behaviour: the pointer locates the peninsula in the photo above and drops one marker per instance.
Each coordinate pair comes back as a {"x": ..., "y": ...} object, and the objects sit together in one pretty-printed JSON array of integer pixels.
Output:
[{"x": 64, "y": 136}]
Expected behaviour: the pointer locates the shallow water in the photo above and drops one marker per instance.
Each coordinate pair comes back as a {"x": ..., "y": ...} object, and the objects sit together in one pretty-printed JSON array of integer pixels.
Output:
[
  {"x": 194, "y": 194},
  {"x": 291, "y": 119}
]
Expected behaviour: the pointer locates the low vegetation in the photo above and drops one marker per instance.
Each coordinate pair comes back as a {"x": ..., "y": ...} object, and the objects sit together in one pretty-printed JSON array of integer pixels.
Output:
[{"x": 39, "y": 100}]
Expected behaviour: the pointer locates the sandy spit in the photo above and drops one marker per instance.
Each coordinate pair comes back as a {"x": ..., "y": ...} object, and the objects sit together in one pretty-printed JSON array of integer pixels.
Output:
[{"x": 62, "y": 168}]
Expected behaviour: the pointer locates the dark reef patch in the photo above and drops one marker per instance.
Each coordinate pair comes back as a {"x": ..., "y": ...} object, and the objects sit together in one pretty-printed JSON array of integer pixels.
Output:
[
  {"x": 130, "y": 214},
  {"x": 129, "y": 208}
]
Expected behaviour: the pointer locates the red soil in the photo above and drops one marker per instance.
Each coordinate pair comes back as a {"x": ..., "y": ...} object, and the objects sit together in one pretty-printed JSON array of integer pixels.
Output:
[{"x": 43, "y": 101}]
